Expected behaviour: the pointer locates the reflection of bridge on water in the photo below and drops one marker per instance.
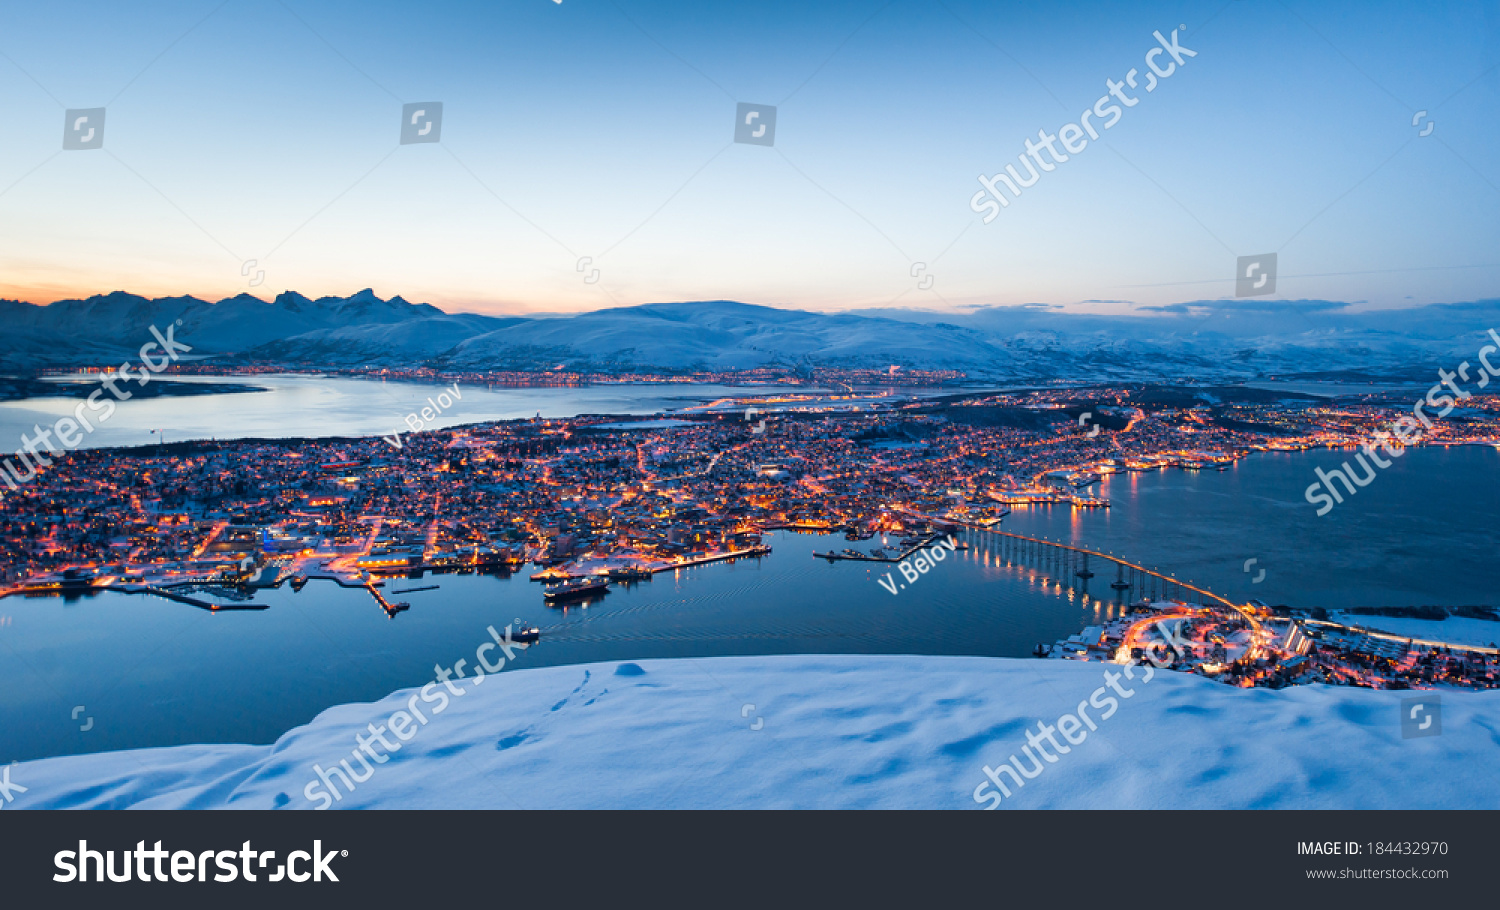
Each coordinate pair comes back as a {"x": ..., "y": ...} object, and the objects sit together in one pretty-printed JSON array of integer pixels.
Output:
[{"x": 1066, "y": 562}]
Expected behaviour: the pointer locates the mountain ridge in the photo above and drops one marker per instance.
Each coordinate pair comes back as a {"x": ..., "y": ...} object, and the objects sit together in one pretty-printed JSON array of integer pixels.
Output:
[{"x": 1214, "y": 339}]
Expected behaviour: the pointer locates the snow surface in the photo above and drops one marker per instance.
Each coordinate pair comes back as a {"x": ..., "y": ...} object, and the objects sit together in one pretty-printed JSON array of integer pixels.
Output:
[
  {"x": 844, "y": 731},
  {"x": 1455, "y": 630}
]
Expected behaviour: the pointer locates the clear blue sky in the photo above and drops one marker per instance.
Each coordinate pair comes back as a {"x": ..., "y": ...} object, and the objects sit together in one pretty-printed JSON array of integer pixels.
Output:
[{"x": 253, "y": 129}]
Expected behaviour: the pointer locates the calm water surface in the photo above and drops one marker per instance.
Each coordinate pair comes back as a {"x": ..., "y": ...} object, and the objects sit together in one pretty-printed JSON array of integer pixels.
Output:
[
  {"x": 1426, "y": 531},
  {"x": 302, "y": 406},
  {"x": 153, "y": 672}
]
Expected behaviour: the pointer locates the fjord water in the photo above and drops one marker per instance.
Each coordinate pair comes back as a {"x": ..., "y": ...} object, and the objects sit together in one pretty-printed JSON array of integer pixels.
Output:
[
  {"x": 314, "y": 406},
  {"x": 1425, "y": 531},
  {"x": 153, "y": 672}
]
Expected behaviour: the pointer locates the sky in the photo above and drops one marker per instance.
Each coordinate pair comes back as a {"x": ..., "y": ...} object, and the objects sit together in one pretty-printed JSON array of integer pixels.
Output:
[{"x": 587, "y": 159}]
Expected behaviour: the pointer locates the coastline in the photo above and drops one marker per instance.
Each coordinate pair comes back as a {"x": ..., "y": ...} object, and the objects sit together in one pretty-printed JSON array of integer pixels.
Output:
[{"x": 28, "y": 390}]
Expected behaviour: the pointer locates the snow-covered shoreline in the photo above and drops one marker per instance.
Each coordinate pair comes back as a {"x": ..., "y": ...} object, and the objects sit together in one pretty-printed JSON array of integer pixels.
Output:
[
  {"x": 818, "y": 731},
  {"x": 1455, "y": 630}
]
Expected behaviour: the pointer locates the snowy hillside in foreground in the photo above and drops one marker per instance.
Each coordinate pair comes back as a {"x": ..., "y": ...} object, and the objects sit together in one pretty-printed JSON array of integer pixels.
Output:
[{"x": 834, "y": 732}]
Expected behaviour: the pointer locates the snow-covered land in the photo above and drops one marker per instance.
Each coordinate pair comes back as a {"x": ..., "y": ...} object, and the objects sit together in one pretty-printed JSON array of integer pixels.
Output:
[
  {"x": 1455, "y": 630},
  {"x": 827, "y": 732}
]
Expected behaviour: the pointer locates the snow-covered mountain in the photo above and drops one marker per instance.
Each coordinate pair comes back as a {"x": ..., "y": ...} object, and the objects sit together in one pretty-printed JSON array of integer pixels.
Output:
[
  {"x": 722, "y": 334},
  {"x": 1203, "y": 340},
  {"x": 74, "y": 331}
]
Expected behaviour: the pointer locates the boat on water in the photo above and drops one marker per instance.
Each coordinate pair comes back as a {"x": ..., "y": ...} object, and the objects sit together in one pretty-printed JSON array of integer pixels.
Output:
[
  {"x": 576, "y": 587},
  {"x": 526, "y": 634}
]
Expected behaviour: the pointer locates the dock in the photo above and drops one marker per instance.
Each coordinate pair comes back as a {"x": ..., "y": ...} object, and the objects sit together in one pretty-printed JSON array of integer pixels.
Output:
[
  {"x": 183, "y": 598},
  {"x": 760, "y": 550},
  {"x": 390, "y": 609},
  {"x": 555, "y": 574}
]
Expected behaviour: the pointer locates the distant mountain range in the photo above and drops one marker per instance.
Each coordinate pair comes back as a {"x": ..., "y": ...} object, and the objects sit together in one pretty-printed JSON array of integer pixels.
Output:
[{"x": 1214, "y": 340}]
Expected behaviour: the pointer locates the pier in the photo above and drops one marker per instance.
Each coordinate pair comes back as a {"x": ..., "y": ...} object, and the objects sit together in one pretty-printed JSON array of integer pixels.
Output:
[
  {"x": 757, "y": 551},
  {"x": 558, "y": 573},
  {"x": 184, "y": 599},
  {"x": 391, "y": 609}
]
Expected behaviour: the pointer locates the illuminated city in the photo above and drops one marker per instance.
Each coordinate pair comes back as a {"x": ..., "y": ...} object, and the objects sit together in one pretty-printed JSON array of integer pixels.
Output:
[{"x": 626, "y": 497}]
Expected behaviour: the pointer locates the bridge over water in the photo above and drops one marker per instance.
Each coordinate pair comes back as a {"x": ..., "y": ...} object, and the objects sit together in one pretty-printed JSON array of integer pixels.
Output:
[{"x": 1067, "y": 562}]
